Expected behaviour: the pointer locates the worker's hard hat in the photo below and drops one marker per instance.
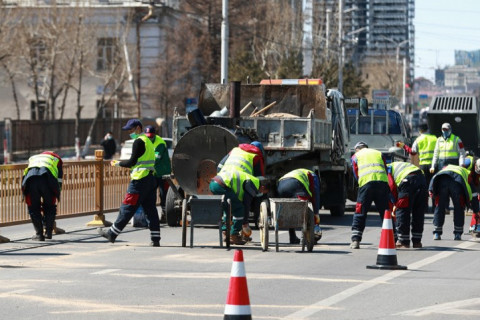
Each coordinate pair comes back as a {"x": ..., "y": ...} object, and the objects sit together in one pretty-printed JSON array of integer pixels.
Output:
[
  {"x": 361, "y": 144},
  {"x": 477, "y": 166},
  {"x": 447, "y": 126}
]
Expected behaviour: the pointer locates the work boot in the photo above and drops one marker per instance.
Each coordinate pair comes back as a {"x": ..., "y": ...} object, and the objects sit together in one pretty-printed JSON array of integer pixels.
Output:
[
  {"x": 155, "y": 243},
  {"x": 355, "y": 244},
  {"x": 38, "y": 237},
  {"x": 402, "y": 245},
  {"x": 318, "y": 233},
  {"x": 237, "y": 239},
  {"x": 457, "y": 236},
  {"x": 48, "y": 235},
  {"x": 417, "y": 245},
  {"x": 107, "y": 235},
  {"x": 436, "y": 236}
]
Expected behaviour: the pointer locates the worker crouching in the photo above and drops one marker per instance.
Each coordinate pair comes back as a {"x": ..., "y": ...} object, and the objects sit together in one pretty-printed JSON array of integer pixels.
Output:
[{"x": 241, "y": 188}]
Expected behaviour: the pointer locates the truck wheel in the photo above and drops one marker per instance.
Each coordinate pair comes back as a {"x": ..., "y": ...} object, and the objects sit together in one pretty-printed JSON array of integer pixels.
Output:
[{"x": 172, "y": 214}]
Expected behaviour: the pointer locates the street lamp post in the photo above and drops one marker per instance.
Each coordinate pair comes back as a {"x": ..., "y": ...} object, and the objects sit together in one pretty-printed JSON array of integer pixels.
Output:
[{"x": 397, "y": 60}]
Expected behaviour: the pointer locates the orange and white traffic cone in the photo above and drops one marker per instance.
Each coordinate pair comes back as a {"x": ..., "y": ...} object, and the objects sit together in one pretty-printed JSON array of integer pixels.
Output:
[
  {"x": 387, "y": 252},
  {"x": 238, "y": 303}
]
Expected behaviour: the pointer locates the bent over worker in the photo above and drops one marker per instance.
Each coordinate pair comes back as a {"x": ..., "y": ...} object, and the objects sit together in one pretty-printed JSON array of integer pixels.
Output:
[
  {"x": 409, "y": 189},
  {"x": 142, "y": 187},
  {"x": 248, "y": 158},
  {"x": 369, "y": 168},
  {"x": 450, "y": 182},
  {"x": 424, "y": 146},
  {"x": 449, "y": 149},
  {"x": 305, "y": 185},
  {"x": 41, "y": 186},
  {"x": 241, "y": 188},
  {"x": 473, "y": 166}
]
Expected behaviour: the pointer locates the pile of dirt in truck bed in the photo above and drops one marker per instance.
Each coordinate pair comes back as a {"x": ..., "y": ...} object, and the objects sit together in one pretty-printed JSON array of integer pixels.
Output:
[{"x": 290, "y": 99}]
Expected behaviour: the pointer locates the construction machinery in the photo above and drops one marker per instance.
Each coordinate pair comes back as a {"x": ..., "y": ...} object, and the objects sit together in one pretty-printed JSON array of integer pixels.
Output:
[
  {"x": 462, "y": 112},
  {"x": 299, "y": 123}
]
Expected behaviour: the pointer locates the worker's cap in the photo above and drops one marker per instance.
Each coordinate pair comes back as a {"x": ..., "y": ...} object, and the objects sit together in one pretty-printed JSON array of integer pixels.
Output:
[
  {"x": 477, "y": 166},
  {"x": 259, "y": 145},
  {"x": 361, "y": 144},
  {"x": 132, "y": 123},
  {"x": 446, "y": 126},
  {"x": 149, "y": 131}
]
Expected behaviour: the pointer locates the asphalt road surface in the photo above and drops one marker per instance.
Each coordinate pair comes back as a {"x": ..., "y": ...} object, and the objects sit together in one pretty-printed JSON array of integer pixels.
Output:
[{"x": 79, "y": 275}]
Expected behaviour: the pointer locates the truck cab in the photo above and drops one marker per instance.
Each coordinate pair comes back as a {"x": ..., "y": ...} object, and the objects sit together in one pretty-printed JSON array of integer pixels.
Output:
[{"x": 380, "y": 129}]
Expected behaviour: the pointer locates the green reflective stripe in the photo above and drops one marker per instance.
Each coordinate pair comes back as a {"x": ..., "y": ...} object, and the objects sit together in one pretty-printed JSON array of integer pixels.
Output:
[
  {"x": 463, "y": 173},
  {"x": 370, "y": 166},
  {"x": 239, "y": 159},
  {"x": 448, "y": 148},
  {"x": 302, "y": 176},
  {"x": 146, "y": 162},
  {"x": 400, "y": 170},
  {"x": 43, "y": 160}
]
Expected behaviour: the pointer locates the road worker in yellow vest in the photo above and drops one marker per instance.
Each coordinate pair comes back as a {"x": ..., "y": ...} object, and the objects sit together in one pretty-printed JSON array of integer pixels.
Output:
[
  {"x": 409, "y": 189},
  {"x": 142, "y": 188},
  {"x": 423, "y": 146},
  {"x": 369, "y": 168},
  {"x": 41, "y": 186},
  {"x": 241, "y": 188},
  {"x": 449, "y": 149},
  {"x": 302, "y": 184},
  {"x": 450, "y": 183}
]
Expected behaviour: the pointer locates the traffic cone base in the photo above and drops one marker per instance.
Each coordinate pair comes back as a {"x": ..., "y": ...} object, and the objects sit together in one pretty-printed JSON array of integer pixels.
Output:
[
  {"x": 238, "y": 302},
  {"x": 387, "y": 252}
]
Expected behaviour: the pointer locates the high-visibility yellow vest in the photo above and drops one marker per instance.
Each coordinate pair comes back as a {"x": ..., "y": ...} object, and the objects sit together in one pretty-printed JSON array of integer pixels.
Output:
[
  {"x": 426, "y": 146},
  {"x": 43, "y": 160},
  {"x": 302, "y": 176},
  {"x": 234, "y": 180},
  {"x": 239, "y": 160},
  {"x": 370, "y": 166},
  {"x": 463, "y": 173},
  {"x": 402, "y": 169},
  {"x": 470, "y": 166},
  {"x": 447, "y": 149},
  {"x": 146, "y": 162}
]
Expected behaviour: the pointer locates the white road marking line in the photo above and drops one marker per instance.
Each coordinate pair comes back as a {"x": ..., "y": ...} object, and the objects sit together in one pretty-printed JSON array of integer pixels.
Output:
[
  {"x": 445, "y": 308},
  {"x": 106, "y": 271},
  {"x": 328, "y": 302}
]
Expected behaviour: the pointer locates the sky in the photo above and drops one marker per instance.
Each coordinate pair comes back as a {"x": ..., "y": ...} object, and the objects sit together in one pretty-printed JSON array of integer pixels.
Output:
[{"x": 441, "y": 27}]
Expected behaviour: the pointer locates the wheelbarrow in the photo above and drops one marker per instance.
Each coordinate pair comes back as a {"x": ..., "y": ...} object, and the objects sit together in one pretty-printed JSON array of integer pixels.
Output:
[
  {"x": 205, "y": 210},
  {"x": 285, "y": 213}
]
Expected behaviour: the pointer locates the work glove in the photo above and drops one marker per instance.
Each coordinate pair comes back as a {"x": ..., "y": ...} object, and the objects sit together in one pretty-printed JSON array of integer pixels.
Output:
[
  {"x": 114, "y": 163},
  {"x": 432, "y": 170},
  {"x": 400, "y": 144},
  {"x": 316, "y": 218}
]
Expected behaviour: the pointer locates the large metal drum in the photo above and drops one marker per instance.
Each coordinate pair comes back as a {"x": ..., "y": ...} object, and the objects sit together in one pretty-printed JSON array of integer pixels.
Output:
[{"x": 197, "y": 154}]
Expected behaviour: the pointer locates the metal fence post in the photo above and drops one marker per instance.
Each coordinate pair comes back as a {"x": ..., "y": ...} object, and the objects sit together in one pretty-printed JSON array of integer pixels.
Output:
[{"x": 99, "y": 218}]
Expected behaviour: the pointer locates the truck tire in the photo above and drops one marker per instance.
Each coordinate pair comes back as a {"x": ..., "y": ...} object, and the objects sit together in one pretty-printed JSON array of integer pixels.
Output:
[{"x": 172, "y": 214}]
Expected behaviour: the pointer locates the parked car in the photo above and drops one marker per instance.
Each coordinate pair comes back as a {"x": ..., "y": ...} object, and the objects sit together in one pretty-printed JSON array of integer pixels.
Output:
[{"x": 126, "y": 150}]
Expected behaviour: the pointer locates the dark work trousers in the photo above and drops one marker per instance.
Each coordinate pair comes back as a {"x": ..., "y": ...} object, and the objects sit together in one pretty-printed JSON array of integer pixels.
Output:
[
  {"x": 376, "y": 191},
  {"x": 291, "y": 188},
  {"x": 38, "y": 190},
  {"x": 143, "y": 193},
  {"x": 448, "y": 188},
  {"x": 161, "y": 191},
  {"x": 411, "y": 203},
  {"x": 428, "y": 177},
  {"x": 237, "y": 209},
  {"x": 445, "y": 162}
]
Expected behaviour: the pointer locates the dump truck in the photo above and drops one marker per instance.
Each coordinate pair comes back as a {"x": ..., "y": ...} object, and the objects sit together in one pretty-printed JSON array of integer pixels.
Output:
[
  {"x": 462, "y": 112},
  {"x": 299, "y": 123}
]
